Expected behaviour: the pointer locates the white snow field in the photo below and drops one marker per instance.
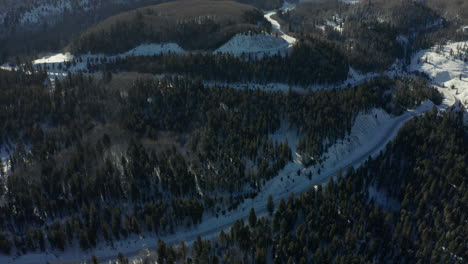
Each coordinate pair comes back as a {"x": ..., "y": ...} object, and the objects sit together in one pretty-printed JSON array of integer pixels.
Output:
[
  {"x": 55, "y": 60},
  {"x": 141, "y": 50},
  {"x": 369, "y": 135},
  {"x": 153, "y": 49},
  {"x": 256, "y": 44},
  {"x": 447, "y": 66}
]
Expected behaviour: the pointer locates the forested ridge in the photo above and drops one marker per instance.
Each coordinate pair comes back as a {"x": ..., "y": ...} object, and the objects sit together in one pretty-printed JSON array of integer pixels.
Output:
[
  {"x": 312, "y": 61},
  {"x": 21, "y": 35},
  {"x": 375, "y": 34},
  {"x": 413, "y": 194},
  {"x": 100, "y": 161},
  {"x": 192, "y": 24}
]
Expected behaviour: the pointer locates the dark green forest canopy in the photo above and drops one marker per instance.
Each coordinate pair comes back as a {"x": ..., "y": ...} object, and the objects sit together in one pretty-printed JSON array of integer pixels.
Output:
[
  {"x": 148, "y": 146},
  {"x": 92, "y": 144}
]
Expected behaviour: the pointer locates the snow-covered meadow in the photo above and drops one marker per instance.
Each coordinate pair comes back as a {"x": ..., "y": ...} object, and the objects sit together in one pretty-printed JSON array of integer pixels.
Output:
[
  {"x": 256, "y": 44},
  {"x": 447, "y": 66}
]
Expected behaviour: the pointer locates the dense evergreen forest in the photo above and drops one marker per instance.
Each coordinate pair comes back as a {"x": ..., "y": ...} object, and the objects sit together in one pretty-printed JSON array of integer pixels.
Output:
[
  {"x": 414, "y": 195},
  {"x": 94, "y": 158},
  {"x": 99, "y": 151}
]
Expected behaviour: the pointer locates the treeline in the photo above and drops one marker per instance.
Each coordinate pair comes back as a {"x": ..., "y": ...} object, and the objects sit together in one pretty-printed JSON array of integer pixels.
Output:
[
  {"x": 414, "y": 194},
  {"x": 156, "y": 154},
  {"x": 312, "y": 61}
]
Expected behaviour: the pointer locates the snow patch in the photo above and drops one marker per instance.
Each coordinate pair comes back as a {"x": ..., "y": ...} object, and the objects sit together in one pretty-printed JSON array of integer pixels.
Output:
[
  {"x": 55, "y": 58},
  {"x": 260, "y": 44},
  {"x": 447, "y": 66},
  {"x": 55, "y": 61},
  {"x": 153, "y": 49}
]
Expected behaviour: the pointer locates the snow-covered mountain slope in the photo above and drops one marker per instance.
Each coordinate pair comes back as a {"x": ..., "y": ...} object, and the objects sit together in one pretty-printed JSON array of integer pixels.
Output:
[
  {"x": 447, "y": 66},
  {"x": 80, "y": 61},
  {"x": 254, "y": 44}
]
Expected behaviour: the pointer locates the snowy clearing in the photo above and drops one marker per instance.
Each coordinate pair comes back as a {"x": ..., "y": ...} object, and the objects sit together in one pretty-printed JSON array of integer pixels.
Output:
[
  {"x": 260, "y": 44},
  {"x": 447, "y": 66},
  {"x": 351, "y": 1},
  {"x": 57, "y": 60}
]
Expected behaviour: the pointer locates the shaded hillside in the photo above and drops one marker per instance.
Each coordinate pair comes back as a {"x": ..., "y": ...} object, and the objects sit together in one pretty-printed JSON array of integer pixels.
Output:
[
  {"x": 96, "y": 161},
  {"x": 194, "y": 24},
  {"x": 31, "y": 27}
]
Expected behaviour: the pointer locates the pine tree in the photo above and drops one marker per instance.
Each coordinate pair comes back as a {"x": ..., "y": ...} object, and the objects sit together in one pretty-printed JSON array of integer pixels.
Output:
[
  {"x": 252, "y": 218},
  {"x": 94, "y": 260},
  {"x": 161, "y": 250},
  {"x": 270, "y": 205}
]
